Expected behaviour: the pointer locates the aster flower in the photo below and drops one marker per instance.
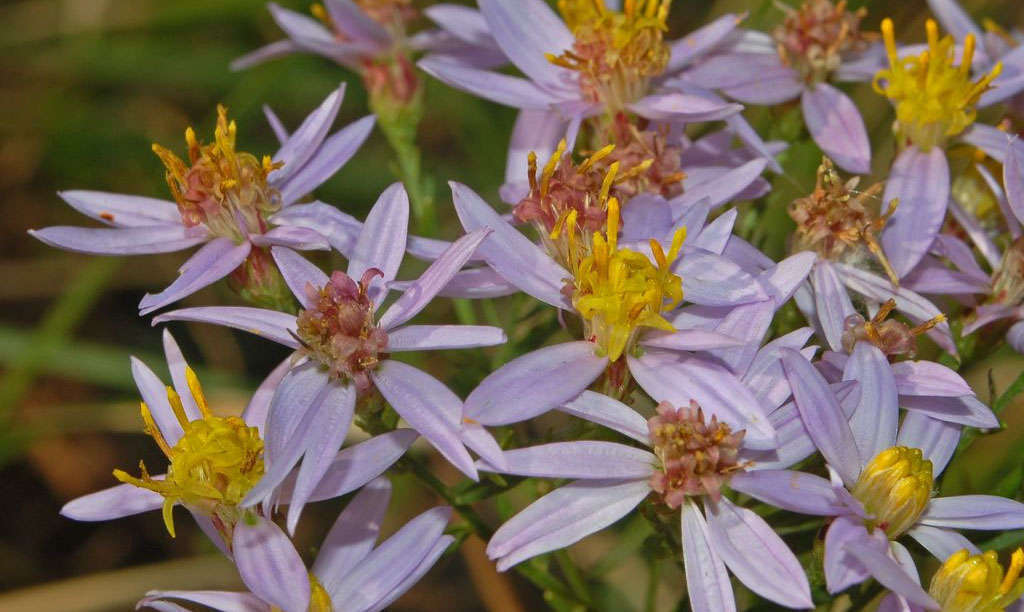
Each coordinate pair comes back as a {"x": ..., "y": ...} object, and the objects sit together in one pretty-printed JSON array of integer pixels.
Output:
[
  {"x": 621, "y": 312},
  {"x": 348, "y": 567},
  {"x": 691, "y": 458},
  {"x": 360, "y": 34},
  {"x": 838, "y": 221},
  {"x": 819, "y": 42},
  {"x": 224, "y": 200},
  {"x": 214, "y": 461},
  {"x": 936, "y": 99},
  {"x": 880, "y": 489},
  {"x": 969, "y": 582},
  {"x": 597, "y": 59},
  {"x": 342, "y": 349}
]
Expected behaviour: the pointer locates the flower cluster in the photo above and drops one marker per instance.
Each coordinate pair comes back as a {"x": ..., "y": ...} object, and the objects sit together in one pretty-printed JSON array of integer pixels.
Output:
[{"x": 718, "y": 391}]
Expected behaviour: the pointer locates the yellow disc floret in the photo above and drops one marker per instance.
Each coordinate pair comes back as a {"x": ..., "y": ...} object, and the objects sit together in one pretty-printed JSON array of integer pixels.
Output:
[
  {"x": 615, "y": 52},
  {"x": 895, "y": 488},
  {"x": 213, "y": 465},
  {"x": 319, "y": 598},
  {"x": 617, "y": 290},
  {"x": 224, "y": 189},
  {"x": 977, "y": 583},
  {"x": 934, "y": 96}
]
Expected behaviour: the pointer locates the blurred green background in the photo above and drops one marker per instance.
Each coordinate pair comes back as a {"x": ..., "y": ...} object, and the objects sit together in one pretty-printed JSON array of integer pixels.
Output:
[{"x": 85, "y": 87}]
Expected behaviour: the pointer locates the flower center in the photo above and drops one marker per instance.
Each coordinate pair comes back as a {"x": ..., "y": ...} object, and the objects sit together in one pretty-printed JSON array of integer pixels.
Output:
[
  {"x": 617, "y": 291},
  {"x": 892, "y": 337},
  {"x": 615, "y": 53},
  {"x": 339, "y": 331},
  {"x": 935, "y": 98},
  {"x": 697, "y": 457},
  {"x": 813, "y": 38},
  {"x": 224, "y": 189},
  {"x": 1008, "y": 282},
  {"x": 977, "y": 583},
  {"x": 836, "y": 222},
  {"x": 895, "y": 488},
  {"x": 214, "y": 464}
]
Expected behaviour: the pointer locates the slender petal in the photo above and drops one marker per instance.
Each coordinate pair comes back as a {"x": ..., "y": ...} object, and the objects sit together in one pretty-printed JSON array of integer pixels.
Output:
[
  {"x": 273, "y": 325},
  {"x": 274, "y": 50},
  {"x": 929, "y": 378},
  {"x": 477, "y": 438},
  {"x": 527, "y": 30},
  {"x": 121, "y": 210},
  {"x": 843, "y": 569},
  {"x": 437, "y": 337},
  {"x": 176, "y": 364},
  {"x": 1015, "y": 337},
  {"x": 340, "y": 229},
  {"x": 920, "y": 181},
  {"x": 353, "y": 534},
  {"x": 441, "y": 544},
  {"x": 888, "y": 572},
  {"x": 501, "y": 88},
  {"x": 936, "y": 439},
  {"x": 603, "y": 410},
  {"x": 334, "y": 153},
  {"x": 832, "y": 303},
  {"x": 326, "y": 434},
  {"x": 299, "y": 399},
  {"x": 822, "y": 416},
  {"x": 218, "y": 600},
  {"x": 299, "y": 274},
  {"x": 756, "y": 554},
  {"x": 563, "y": 517},
  {"x": 355, "y": 23},
  {"x": 974, "y": 512},
  {"x": 154, "y": 395},
  {"x": 538, "y": 381},
  {"x": 752, "y": 78},
  {"x": 214, "y": 261},
  {"x": 418, "y": 294},
  {"x": 690, "y": 340},
  {"x": 793, "y": 491},
  {"x": 517, "y": 259},
  {"x": 269, "y": 565},
  {"x": 121, "y": 241},
  {"x": 874, "y": 422},
  {"x": 718, "y": 191},
  {"x": 967, "y": 410},
  {"x": 429, "y": 406},
  {"x": 293, "y": 237},
  {"x": 577, "y": 459},
  {"x": 381, "y": 244},
  {"x": 471, "y": 283},
  {"x": 684, "y": 108},
  {"x": 387, "y": 566},
  {"x": 356, "y": 465},
  {"x": 700, "y": 41},
  {"x": 306, "y": 140},
  {"x": 678, "y": 379},
  {"x": 765, "y": 376},
  {"x": 1013, "y": 178},
  {"x": 115, "y": 502},
  {"x": 713, "y": 280},
  {"x": 707, "y": 581},
  {"x": 836, "y": 125},
  {"x": 941, "y": 542}
]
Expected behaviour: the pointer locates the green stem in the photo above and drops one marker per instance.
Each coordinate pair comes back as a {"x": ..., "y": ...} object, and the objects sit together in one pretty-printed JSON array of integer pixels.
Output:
[
  {"x": 572, "y": 575},
  {"x": 400, "y": 131}
]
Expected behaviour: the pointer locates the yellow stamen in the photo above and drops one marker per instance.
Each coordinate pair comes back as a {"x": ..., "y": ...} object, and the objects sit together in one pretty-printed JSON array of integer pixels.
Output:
[
  {"x": 934, "y": 96},
  {"x": 549, "y": 168},
  {"x": 977, "y": 583},
  {"x": 197, "y": 392},
  {"x": 895, "y": 487},
  {"x": 177, "y": 407}
]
